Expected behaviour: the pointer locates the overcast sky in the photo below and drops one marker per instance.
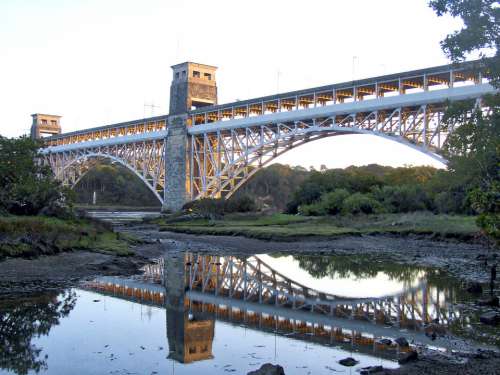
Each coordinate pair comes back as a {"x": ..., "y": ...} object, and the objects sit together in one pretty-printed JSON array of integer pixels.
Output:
[{"x": 97, "y": 62}]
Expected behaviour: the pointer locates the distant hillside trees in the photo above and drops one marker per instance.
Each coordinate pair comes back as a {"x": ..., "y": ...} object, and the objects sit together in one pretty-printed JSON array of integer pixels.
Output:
[{"x": 114, "y": 184}]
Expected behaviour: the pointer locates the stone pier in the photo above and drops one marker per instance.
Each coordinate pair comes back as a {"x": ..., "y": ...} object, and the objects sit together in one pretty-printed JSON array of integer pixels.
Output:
[{"x": 176, "y": 193}]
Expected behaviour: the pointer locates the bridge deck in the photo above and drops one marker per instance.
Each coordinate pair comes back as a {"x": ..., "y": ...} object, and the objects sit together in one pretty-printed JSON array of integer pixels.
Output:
[{"x": 421, "y": 80}]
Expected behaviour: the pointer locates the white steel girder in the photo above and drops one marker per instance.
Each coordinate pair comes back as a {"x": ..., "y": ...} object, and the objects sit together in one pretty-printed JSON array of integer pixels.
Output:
[
  {"x": 144, "y": 159},
  {"x": 225, "y": 159}
]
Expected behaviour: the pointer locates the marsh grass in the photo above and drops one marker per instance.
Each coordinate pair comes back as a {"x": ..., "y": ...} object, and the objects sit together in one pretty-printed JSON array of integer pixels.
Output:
[
  {"x": 30, "y": 236},
  {"x": 288, "y": 227}
]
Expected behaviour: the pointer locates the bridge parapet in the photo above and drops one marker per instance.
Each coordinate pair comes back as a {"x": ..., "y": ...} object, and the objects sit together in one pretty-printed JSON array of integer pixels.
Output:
[
  {"x": 446, "y": 76},
  {"x": 147, "y": 125}
]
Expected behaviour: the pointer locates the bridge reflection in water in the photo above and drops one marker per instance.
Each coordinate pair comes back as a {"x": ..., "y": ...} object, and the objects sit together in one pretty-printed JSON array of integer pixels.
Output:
[{"x": 197, "y": 289}]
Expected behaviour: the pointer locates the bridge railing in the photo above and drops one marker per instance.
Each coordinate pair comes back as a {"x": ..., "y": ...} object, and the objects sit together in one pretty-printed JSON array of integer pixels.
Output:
[
  {"x": 440, "y": 77},
  {"x": 142, "y": 126}
]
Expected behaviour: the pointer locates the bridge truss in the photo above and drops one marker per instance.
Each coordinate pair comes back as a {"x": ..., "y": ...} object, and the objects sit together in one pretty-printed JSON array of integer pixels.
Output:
[{"x": 227, "y": 144}]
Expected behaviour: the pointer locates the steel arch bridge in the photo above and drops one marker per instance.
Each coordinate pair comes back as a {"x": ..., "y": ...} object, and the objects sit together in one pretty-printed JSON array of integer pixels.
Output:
[{"x": 213, "y": 150}]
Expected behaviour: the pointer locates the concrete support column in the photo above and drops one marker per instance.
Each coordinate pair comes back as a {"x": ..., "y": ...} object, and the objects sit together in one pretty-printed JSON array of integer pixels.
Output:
[{"x": 175, "y": 164}]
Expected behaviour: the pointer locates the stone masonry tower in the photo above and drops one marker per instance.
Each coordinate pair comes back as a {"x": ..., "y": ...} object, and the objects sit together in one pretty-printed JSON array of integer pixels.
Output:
[
  {"x": 193, "y": 85},
  {"x": 45, "y": 125}
]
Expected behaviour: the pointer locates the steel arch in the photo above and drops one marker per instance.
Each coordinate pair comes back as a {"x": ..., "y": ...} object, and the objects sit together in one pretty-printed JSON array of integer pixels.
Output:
[{"x": 60, "y": 174}]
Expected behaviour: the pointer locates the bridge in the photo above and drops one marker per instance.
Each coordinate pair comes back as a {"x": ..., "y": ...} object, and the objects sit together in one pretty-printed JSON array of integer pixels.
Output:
[
  {"x": 202, "y": 149},
  {"x": 197, "y": 288}
]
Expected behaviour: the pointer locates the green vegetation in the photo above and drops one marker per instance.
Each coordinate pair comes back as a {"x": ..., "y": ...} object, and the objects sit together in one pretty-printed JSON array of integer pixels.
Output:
[
  {"x": 474, "y": 148},
  {"x": 30, "y": 236},
  {"x": 28, "y": 187},
  {"x": 288, "y": 227},
  {"x": 114, "y": 185},
  {"x": 36, "y": 215}
]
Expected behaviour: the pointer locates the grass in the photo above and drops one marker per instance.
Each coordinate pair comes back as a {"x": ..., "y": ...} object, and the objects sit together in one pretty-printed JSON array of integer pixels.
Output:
[
  {"x": 288, "y": 227},
  {"x": 30, "y": 236}
]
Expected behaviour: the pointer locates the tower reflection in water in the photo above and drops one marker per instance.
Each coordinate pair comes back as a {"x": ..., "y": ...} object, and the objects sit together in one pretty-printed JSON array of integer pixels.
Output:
[
  {"x": 190, "y": 334},
  {"x": 197, "y": 290}
]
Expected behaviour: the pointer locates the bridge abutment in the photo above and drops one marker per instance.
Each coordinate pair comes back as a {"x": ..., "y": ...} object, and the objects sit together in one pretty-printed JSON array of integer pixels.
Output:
[{"x": 176, "y": 192}]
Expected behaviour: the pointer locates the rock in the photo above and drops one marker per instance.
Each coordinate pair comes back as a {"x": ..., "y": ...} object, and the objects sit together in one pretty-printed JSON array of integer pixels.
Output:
[
  {"x": 408, "y": 357},
  {"x": 384, "y": 341},
  {"x": 401, "y": 341},
  {"x": 491, "y": 318},
  {"x": 493, "y": 302},
  {"x": 268, "y": 369},
  {"x": 475, "y": 288},
  {"x": 371, "y": 370},
  {"x": 349, "y": 362}
]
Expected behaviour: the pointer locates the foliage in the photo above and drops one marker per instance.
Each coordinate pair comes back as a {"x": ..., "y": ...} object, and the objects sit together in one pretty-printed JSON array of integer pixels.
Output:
[
  {"x": 330, "y": 204},
  {"x": 31, "y": 236},
  {"x": 359, "y": 203},
  {"x": 403, "y": 198},
  {"x": 473, "y": 148},
  {"x": 114, "y": 185},
  {"x": 480, "y": 31},
  {"x": 27, "y": 186},
  {"x": 273, "y": 185},
  {"x": 217, "y": 207}
]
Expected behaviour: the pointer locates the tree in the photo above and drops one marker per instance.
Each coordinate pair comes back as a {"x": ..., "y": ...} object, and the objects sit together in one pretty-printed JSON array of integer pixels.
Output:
[
  {"x": 474, "y": 148},
  {"x": 27, "y": 186}
]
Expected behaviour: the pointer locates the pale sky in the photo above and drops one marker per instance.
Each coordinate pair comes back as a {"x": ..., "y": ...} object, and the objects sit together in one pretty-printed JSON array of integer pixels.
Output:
[{"x": 97, "y": 62}]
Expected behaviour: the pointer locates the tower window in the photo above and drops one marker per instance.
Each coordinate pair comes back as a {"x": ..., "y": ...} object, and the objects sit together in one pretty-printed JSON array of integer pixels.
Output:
[
  {"x": 207, "y": 76},
  {"x": 183, "y": 73},
  {"x": 177, "y": 75},
  {"x": 196, "y": 74}
]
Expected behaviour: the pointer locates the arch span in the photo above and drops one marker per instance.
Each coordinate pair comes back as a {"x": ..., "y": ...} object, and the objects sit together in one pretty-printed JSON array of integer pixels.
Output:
[
  {"x": 247, "y": 161},
  {"x": 74, "y": 170}
]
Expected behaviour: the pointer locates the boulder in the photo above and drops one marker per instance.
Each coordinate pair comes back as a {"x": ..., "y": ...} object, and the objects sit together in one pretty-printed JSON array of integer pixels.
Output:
[
  {"x": 491, "y": 318},
  {"x": 401, "y": 341},
  {"x": 268, "y": 369},
  {"x": 371, "y": 370},
  {"x": 349, "y": 362},
  {"x": 408, "y": 357}
]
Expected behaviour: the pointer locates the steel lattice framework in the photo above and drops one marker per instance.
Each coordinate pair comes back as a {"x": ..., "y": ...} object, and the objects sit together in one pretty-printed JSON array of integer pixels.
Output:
[
  {"x": 226, "y": 144},
  {"x": 145, "y": 159},
  {"x": 224, "y": 160}
]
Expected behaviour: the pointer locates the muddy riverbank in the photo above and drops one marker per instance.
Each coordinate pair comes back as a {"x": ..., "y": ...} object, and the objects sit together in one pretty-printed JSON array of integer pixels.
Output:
[{"x": 469, "y": 262}]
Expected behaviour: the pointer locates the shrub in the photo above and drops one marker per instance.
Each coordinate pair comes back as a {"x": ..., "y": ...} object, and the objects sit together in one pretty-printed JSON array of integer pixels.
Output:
[
  {"x": 313, "y": 209},
  {"x": 333, "y": 202},
  {"x": 361, "y": 203},
  {"x": 243, "y": 203},
  {"x": 404, "y": 198}
]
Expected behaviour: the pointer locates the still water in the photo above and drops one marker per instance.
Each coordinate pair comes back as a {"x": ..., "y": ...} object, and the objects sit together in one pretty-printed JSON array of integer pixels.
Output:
[{"x": 202, "y": 314}]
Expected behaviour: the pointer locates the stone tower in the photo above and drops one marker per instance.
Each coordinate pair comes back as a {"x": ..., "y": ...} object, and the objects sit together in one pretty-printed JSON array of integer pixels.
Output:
[
  {"x": 193, "y": 85},
  {"x": 45, "y": 125}
]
